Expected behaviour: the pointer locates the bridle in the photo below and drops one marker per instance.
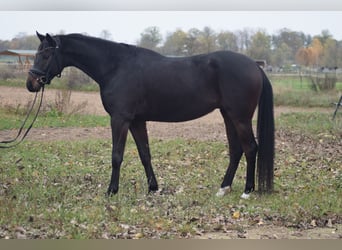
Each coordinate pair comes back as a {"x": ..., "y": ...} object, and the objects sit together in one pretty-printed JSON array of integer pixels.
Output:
[
  {"x": 42, "y": 78},
  {"x": 46, "y": 77}
]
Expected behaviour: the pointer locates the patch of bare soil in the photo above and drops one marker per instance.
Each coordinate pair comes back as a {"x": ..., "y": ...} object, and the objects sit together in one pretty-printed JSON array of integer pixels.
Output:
[
  {"x": 276, "y": 232},
  {"x": 207, "y": 128}
]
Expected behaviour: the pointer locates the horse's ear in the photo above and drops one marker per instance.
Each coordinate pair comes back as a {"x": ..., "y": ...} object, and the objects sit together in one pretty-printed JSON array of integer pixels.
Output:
[
  {"x": 51, "y": 41},
  {"x": 40, "y": 36}
]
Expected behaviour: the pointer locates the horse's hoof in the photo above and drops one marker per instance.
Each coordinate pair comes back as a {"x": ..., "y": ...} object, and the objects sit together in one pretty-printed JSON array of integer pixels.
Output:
[
  {"x": 245, "y": 196},
  {"x": 153, "y": 189},
  {"x": 111, "y": 192},
  {"x": 223, "y": 191}
]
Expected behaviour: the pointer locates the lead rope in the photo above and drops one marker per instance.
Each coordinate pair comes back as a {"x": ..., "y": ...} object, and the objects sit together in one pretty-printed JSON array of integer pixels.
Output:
[{"x": 16, "y": 143}]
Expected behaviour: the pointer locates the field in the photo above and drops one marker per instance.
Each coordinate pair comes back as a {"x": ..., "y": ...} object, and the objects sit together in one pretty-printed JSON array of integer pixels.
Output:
[{"x": 53, "y": 185}]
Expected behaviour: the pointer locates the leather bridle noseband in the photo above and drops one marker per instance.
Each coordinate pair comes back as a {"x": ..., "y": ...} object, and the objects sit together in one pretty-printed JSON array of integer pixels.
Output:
[{"x": 46, "y": 77}]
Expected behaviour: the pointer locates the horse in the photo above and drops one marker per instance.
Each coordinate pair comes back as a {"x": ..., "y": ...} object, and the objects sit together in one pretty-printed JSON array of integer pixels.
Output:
[{"x": 139, "y": 85}]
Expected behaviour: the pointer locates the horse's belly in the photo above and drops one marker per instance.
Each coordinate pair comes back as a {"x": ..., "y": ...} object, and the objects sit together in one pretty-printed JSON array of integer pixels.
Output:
[{"x": 178, "y": 115}]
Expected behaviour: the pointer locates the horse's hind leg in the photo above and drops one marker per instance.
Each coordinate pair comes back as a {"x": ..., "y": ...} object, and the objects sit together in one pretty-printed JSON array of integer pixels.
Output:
[
  {"x": 235, "y": 153},
  {"x": 245, "y": 132},
  {"x": 241, "y": 138},
  {"x": 139, "y": 132}
]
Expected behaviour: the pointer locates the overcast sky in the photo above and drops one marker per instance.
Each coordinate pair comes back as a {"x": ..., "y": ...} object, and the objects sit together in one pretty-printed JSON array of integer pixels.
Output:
[{"x": 126, "y": 26}]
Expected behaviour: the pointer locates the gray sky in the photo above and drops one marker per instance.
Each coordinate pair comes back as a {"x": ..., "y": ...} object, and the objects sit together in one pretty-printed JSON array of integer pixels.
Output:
[{"x": 126, "y": 26}]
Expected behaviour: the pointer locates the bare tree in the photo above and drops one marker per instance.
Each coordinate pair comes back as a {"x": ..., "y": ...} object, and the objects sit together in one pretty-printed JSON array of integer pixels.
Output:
[
  {"x": 105, "y": 34},
  {"x": 150, "y": 38}
]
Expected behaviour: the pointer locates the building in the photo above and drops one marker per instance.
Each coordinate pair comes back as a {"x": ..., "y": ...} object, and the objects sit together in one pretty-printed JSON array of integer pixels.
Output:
[{"x": 22, "y": 58}]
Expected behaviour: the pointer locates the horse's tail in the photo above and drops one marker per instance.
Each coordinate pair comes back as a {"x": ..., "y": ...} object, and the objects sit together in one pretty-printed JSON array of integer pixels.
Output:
[{"x": 265, "y": 132}]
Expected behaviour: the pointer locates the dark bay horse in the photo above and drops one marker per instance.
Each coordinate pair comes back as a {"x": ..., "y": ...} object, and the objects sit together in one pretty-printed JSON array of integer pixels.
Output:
[{"x": 139, "y": 85}]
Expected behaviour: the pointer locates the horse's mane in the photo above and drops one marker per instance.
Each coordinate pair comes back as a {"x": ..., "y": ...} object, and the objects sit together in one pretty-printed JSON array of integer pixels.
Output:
[{"x": 101, "y": 40}]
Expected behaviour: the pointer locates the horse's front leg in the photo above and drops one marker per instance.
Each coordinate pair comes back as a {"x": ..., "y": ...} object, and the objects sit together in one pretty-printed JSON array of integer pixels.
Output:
[{"x": 119, "y": 135}]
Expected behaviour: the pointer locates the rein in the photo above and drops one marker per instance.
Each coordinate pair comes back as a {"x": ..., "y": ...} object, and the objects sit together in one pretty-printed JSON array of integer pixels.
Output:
[
  {"x": 14, "y": 142},
  {"x": 42, "y": 77}
]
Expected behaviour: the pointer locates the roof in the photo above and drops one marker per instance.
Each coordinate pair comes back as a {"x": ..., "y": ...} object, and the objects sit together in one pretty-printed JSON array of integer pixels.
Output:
[{"x": 17, "y": 52}]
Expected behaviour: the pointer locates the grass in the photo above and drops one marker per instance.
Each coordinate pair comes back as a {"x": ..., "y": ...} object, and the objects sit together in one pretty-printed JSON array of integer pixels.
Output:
[
  {"x": 58, "y": 83},
  {"x": 12, "y": 119},
  {"x": 56, "y": 189},
  {"x": 291, "y": 91},
  {"x": 312, "y": 123}
]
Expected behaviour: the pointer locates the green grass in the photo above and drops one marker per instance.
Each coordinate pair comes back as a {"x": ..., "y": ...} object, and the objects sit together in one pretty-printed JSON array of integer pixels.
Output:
[
  {"x": 300, "y": 98},
  {"x": 57, "y": 83},
  {"x": 312, "y": 123},
  {"x": 56, "y": 189},
  {"x": 295, "y": 82},
  {"x": 289, "y": 91},
  {"x": 10, "y": 119}
]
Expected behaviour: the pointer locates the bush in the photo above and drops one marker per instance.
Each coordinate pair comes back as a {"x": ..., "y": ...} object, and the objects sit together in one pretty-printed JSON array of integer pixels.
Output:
[
  {"x": 6, "y": 72},
  {"x": 322, "y": 83},
  {"x": 63, "y": 105},
  {"x": 77, "y": 78}
]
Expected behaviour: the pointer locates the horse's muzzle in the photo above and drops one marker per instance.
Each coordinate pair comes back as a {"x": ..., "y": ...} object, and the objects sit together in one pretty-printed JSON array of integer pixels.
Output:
[{"x": 32, "y": 83}]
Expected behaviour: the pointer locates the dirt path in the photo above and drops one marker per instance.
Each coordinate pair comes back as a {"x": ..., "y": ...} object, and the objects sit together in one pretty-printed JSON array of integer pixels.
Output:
[{"x": 276, "y": 232}]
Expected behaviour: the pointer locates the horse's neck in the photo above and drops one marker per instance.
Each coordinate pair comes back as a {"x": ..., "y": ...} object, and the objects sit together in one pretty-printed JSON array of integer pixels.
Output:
[{"x": 94, "y": 57}]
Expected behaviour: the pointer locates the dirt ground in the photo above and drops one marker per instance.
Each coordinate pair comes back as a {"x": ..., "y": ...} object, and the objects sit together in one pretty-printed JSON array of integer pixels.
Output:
[{"x": 207, "y": 128}]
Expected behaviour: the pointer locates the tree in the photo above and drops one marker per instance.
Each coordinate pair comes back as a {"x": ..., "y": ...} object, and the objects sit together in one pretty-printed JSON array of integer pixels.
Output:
[
  {"x": 282, "y": 55},
  {"x": 207, "y": 40},
  {"x": 175, "y": 43},
  {"x": 227, "y": 40},
  {"x": 260, "y": 46},
  {"x": 317, "y": 51},
  {"x": 324, "y": 36},
  {"x": 303, "y": 56},
  {"x": 105, "y": 34},
  {"x": 293, "y": 39},
  {"x": 339, "y": 54},
  {"x": 310, "y": 56},
  {"x": 330, "y": 53},
  {"x": 24, "y": 42},
  {"x": 243, "y": 37},
  {"x": 192, "y": 42},
  {"x": 150, "y": 38},
  {"x": 4, "y": 44},
  {"x": 61, "y": 32}
]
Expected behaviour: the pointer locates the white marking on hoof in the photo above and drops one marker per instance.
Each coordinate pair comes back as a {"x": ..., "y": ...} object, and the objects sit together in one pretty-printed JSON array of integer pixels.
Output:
[
  {"x": 223, "y": 191},
  {"x": 245, "y": 196}
]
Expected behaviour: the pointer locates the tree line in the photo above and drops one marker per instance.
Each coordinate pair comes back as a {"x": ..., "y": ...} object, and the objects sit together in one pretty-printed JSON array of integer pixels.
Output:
[{"x": 285, "y": 47}]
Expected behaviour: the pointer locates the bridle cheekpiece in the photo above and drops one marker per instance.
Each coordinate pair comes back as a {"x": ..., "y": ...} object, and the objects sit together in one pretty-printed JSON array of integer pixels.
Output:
[{"x": 46, "y": 77}]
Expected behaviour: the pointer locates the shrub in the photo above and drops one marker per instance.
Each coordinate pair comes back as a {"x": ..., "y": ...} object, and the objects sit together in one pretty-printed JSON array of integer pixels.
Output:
[
  {"x": 7, "y": 72},
  {"x": 76, "y": 78},
  {"x": 321, "y": 83}
]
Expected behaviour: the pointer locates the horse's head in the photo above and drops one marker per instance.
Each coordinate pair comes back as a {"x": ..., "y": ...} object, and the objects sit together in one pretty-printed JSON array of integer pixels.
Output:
[{"x": 46, "y": 63}]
